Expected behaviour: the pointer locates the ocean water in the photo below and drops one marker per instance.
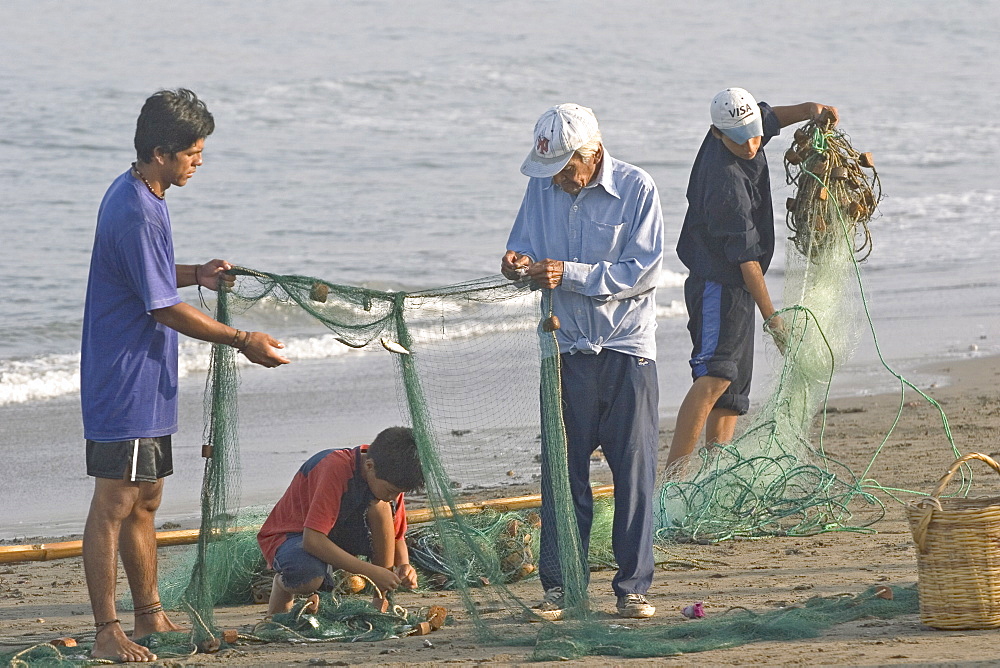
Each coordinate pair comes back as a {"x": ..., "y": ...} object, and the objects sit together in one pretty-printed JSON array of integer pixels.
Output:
[{"x": 378, "y": 144}]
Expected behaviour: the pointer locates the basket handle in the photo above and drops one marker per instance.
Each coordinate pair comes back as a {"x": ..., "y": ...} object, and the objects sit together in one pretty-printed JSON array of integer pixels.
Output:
[
  {"x": 932, "y": 502},
  {"x": 946, "y": 478}
]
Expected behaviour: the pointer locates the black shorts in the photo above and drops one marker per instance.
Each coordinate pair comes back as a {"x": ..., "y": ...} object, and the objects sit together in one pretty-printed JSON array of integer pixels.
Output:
[
  {"x": 721, "y": 323},
  {"x": 136, "y": 460}
]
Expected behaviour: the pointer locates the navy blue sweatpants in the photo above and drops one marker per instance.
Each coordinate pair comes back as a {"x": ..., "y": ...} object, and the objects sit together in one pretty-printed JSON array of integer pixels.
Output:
[{"x": 610, "y": 400}]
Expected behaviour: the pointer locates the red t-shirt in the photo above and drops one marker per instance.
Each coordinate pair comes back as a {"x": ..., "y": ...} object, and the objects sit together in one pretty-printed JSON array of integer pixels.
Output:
[{"x": 313, "y": 500}]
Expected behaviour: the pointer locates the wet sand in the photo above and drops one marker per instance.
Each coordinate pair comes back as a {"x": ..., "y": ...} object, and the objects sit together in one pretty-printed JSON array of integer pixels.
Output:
[{"x": 44, "y": 600}]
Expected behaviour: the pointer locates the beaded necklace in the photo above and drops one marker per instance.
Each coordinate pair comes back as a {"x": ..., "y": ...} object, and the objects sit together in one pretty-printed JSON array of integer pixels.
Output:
[{"x": 135, "y": 170}]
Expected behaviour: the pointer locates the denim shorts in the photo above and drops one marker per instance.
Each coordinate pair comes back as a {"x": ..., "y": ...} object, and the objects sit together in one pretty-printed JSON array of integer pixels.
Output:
[{"x": 298, "y": 567}]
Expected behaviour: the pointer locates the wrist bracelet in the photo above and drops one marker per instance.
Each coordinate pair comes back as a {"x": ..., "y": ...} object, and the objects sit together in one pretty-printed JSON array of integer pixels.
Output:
[
  {"x": 235, "y": 342},
  {"x": 196, "y": 270}
]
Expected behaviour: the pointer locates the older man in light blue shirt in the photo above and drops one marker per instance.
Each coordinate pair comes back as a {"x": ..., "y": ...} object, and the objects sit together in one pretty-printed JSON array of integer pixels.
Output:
[{"x": 591, "y": 230}]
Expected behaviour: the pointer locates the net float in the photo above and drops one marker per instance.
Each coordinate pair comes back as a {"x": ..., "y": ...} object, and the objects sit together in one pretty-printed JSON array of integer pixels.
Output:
[
  {"x": 825, "y": 118},
  {"x": 420, "y": 629},
  {"x": 817, "y": 166},
  {"x": 352, "y": 584},
  {"x": 550, "y": 324},
  {"x": 792, "y": 157},
  {"x": 790, "y": 203},
  {"x": 865, "y": 160},
  {"x": 393, "y": 347},
  {"x": 319, "y": 292},
  {"x": 436, "y": 616},
  {"x": 823, "y": 194},
  {"x": 512, "y": 561},
  {"x": 838, "y": 173},
  {"x": 210, "y": 645},
  {"x": 379, "y": 603}
]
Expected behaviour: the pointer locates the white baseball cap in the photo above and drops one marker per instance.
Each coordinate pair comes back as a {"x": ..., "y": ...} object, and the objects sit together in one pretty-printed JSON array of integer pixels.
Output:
[
  {"x": 737, "y": 115},
  {"x": 558, "y": 133}
]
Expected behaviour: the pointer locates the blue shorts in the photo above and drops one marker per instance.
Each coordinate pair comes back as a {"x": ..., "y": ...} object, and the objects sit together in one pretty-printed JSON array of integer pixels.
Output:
[
  {"x": 721, "y": 323},
  {"x": 298, "y": 567}
]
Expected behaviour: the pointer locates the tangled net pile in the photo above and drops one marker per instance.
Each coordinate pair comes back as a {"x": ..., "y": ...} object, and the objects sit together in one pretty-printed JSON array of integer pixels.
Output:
[
  {"x": 510, "y": 535},
  {"x": 837, "y": 189}
]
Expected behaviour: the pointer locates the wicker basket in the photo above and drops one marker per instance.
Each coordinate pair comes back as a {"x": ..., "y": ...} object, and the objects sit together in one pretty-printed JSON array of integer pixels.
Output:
[{"x": 958, "y": 556}]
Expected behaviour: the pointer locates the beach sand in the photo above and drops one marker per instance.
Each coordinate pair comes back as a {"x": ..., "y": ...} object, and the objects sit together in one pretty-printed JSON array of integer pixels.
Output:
[{"x": 45, "y": 600}]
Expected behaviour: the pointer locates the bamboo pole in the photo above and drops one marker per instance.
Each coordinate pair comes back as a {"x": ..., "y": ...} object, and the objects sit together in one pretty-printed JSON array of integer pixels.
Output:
[{"x": 10, "y": 554}]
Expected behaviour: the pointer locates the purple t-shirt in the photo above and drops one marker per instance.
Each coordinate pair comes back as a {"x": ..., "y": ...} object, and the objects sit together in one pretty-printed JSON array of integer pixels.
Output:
[{"x": 128, "y": 361}]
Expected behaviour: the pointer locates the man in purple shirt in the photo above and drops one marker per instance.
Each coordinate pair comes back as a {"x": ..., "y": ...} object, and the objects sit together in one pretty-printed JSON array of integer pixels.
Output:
[{"x": 128, "y": 363}]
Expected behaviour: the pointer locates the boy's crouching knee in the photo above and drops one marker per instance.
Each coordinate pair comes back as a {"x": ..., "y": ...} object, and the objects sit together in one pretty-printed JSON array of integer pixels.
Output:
[{"x": 302, "y": 589}]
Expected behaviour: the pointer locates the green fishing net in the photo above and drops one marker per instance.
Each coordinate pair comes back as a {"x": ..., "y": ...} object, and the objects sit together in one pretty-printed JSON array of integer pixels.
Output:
[{"x": 477, "y": 372}]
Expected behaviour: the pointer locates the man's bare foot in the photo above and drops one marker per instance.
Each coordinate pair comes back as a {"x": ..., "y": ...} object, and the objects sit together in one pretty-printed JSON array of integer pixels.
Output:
[
  {"x": 312, "y": 605},
  {"x": 110, "y": 642},
  {"x": 153, "y": 620}
]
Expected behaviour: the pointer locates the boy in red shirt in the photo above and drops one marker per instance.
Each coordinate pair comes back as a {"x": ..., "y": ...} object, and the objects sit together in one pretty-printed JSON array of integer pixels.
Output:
[{"x": 343, "y": 503}]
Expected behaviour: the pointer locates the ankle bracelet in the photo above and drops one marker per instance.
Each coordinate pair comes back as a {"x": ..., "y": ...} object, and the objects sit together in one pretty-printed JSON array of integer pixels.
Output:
[
  {"x": 100, "y": 626},
  {"x": 150, "y": 609}
]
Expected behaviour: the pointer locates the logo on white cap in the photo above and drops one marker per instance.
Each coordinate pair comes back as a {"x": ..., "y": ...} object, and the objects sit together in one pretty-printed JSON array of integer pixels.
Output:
[
  {"x": 559, "y": 132},
  {"x": 737, "y": 115}
]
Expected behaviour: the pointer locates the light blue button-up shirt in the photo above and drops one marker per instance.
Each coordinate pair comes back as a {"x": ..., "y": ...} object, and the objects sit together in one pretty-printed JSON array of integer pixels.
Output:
[{"x": 610, "y": 239}]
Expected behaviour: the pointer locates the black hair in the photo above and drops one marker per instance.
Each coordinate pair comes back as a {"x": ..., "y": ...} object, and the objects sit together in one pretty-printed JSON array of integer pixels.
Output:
[
  {"x": 394, "y": 453},
  {"x": 172, "y": 121}
]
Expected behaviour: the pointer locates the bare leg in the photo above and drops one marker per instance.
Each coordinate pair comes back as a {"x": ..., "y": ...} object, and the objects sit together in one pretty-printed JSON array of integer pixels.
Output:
[
  {"x": 720, "y": 426},
  {"x": 282, "y": 597},
  {"x": 137, "y": 541},
  {"x": 693, "y": 414},
  {"x": 112, "y": 502}
]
